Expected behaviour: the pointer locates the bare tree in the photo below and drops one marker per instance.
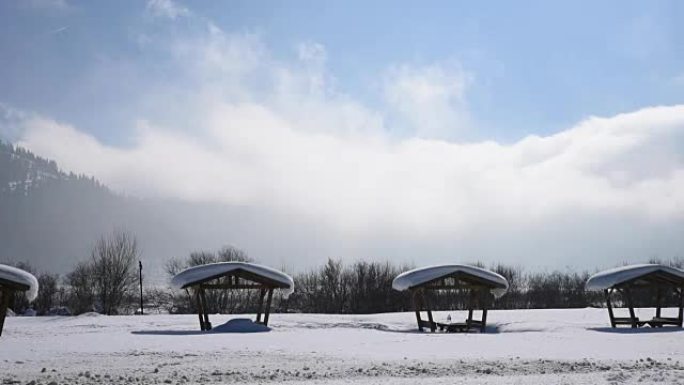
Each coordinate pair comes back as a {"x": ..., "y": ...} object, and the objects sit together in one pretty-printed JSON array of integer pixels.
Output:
[
  {"x": 231, "y": 253},
  {"x": 113, "y": 267},
  {"x": 81, "y": 293},
  {"x": 47, "y": 293}
]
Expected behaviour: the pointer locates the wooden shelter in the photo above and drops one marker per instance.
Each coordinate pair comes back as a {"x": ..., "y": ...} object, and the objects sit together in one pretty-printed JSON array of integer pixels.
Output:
[
  {"x": 627, "y": 280},
  {"x": 229, "y": 276},
  {"x": 480, "y": 284},
  {"x": 12, "y": 280}
]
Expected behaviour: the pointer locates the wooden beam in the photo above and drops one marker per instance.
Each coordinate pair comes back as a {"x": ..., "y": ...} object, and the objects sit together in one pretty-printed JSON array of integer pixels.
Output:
[
  {"x": 433, "y": 327},
  {"x": 632, "y": 315},
  {"x": 416, "y": 306},
  {"x": 681, "y": 305},
  {"x": 461, "y": 280},
  {"x": 454, "y": 287},
  {"x": 199, "y": 308},
  {"x": 262, "y": 294},
  {"x": 14, "y": 286},
  {"x": 268, "y": 306},
  {"x": 231, "y": 286},
  {"x": 484, "y": 303},
  {"x": 207, "y": 324},
  {"x": 471, "y": 305},
  {"x": 483, "y": 328},
  {"x": 659, "y": 293},
  {"x": 610, "y": 307},
  {"x": 4, "y": 304}
]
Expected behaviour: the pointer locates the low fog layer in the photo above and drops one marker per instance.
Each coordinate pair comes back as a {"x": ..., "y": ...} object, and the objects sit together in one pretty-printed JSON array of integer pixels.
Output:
[{"x": 604, "y": 192}]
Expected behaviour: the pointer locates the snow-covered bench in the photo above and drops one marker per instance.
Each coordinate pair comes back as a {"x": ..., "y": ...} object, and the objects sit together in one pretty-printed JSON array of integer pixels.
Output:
[
  {"x": 233, "y": 275},
  {"x": 480, "y": 283},
  {"x": 13, "y": 279},
  {"x": 626, "y": 279}
]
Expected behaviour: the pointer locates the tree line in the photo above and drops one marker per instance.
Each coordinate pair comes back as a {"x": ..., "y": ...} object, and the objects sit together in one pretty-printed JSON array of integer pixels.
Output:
[{"x": 106, "y": 282}]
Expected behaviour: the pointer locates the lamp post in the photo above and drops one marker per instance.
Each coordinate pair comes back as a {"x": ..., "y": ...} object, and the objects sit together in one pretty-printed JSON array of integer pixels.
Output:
[{"x": 141, "y": 291}]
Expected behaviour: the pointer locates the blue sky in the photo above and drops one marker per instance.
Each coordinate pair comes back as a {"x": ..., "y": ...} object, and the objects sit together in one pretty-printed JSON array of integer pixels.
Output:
[
  {"x": 536, "y": 67},
  {"x": 526, "y": 132}
]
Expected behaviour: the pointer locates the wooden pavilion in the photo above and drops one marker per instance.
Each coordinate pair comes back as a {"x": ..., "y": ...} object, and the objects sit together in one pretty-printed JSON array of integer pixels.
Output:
[
  {"x": 627, "y": 280},
  {"x": 12, "y": 280},
  {"x": 230, "y": 276},
  {"x": 480, "y": 285}
]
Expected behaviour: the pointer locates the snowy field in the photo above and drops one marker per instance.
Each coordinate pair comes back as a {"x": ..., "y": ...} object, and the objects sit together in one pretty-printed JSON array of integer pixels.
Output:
[{"x": 522, "y": 347}]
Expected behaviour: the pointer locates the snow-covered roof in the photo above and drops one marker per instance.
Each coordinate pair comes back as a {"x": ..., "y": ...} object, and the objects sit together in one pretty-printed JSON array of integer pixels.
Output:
[
  {"x": 415, "y": 277},
  {"x": 612, "y": 277},
  {"x": 21, "y": 278},
  {"x": 198, "y": 274}
]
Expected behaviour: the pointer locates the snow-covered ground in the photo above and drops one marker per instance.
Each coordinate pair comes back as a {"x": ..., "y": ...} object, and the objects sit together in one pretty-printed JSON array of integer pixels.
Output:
[{"x": 522, "y": 347}]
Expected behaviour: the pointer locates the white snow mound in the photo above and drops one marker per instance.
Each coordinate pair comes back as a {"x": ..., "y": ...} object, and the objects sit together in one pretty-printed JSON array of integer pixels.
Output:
[
  {"x": 609, "y": 278},
  {"x": 21, "y": 277},
  {"x": 240, "y": 325},
  {"x": 414, "y": 277},
  {"x": 200, "y": 273}
]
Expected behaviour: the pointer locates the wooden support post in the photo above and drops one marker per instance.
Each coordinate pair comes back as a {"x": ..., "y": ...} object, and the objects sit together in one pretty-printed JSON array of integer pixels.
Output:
[
  {"x": 471, "y": 305},
  {"x": 262, "y": 294},
  {"x": 207, "y": 324},
  {"x": 484, "y": 303},
  {"x": 268, "y": 306},
  {"x": 610, "y": 307},
  {"x": 199, "y": 308},
  {"x": 632, "y": 315},
  {"x": 681, "y": 306},
  {"x": 659, "y": 293},
  {"x": 483, "y": 328},
  {"x": 416, "y": 305},
  {"x": 4, "y": 304},
  {"x": 433, "y": 326}
]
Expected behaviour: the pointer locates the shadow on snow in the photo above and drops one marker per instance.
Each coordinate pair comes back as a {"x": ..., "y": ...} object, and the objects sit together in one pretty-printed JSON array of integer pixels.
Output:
[{"x": 236, "y": 325}]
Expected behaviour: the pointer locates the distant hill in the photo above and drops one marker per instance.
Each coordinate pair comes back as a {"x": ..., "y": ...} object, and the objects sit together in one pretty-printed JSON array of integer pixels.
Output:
[
  {"x": 51, "y": 218},
  {"x": 47, "y": 215}
]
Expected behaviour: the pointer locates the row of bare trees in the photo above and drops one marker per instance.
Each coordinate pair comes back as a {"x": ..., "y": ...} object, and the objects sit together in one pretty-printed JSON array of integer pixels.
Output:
[
  {"x": 107, "y": 281},
  {"x": 366, "y": 287},
  {"x": 104, "y": 283}
]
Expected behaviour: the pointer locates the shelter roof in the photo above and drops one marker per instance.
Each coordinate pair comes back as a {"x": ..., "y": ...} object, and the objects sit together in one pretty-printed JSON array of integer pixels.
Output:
[
  {"x": 258, "y": 273},
  {"x": 642, "y": 274},
  {"x": 424, "y": 276},
  {"x": 18, "y": 279}
]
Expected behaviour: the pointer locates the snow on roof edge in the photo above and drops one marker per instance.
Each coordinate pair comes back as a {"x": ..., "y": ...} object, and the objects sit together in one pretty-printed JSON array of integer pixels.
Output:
[
  {"x": 21, "y": 277},
  {"x": 414, "y": 277},
  {"x": 611, "y": 277},
  {"x": 202, "y": 272}
]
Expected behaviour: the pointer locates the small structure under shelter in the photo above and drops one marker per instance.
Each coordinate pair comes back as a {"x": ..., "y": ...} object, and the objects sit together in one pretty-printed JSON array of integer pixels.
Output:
[
  {"x": 627, "y": 280},
  {"x": 479, "y": 284},
  {"x": 13, "y": 279},
  {"x": 233, "y": 275}
]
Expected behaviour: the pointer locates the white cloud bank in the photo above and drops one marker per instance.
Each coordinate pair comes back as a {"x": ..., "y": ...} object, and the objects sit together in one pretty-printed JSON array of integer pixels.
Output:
[
  {"x": 251, "y": 155},
  {"x": 277, "y": 136}
]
